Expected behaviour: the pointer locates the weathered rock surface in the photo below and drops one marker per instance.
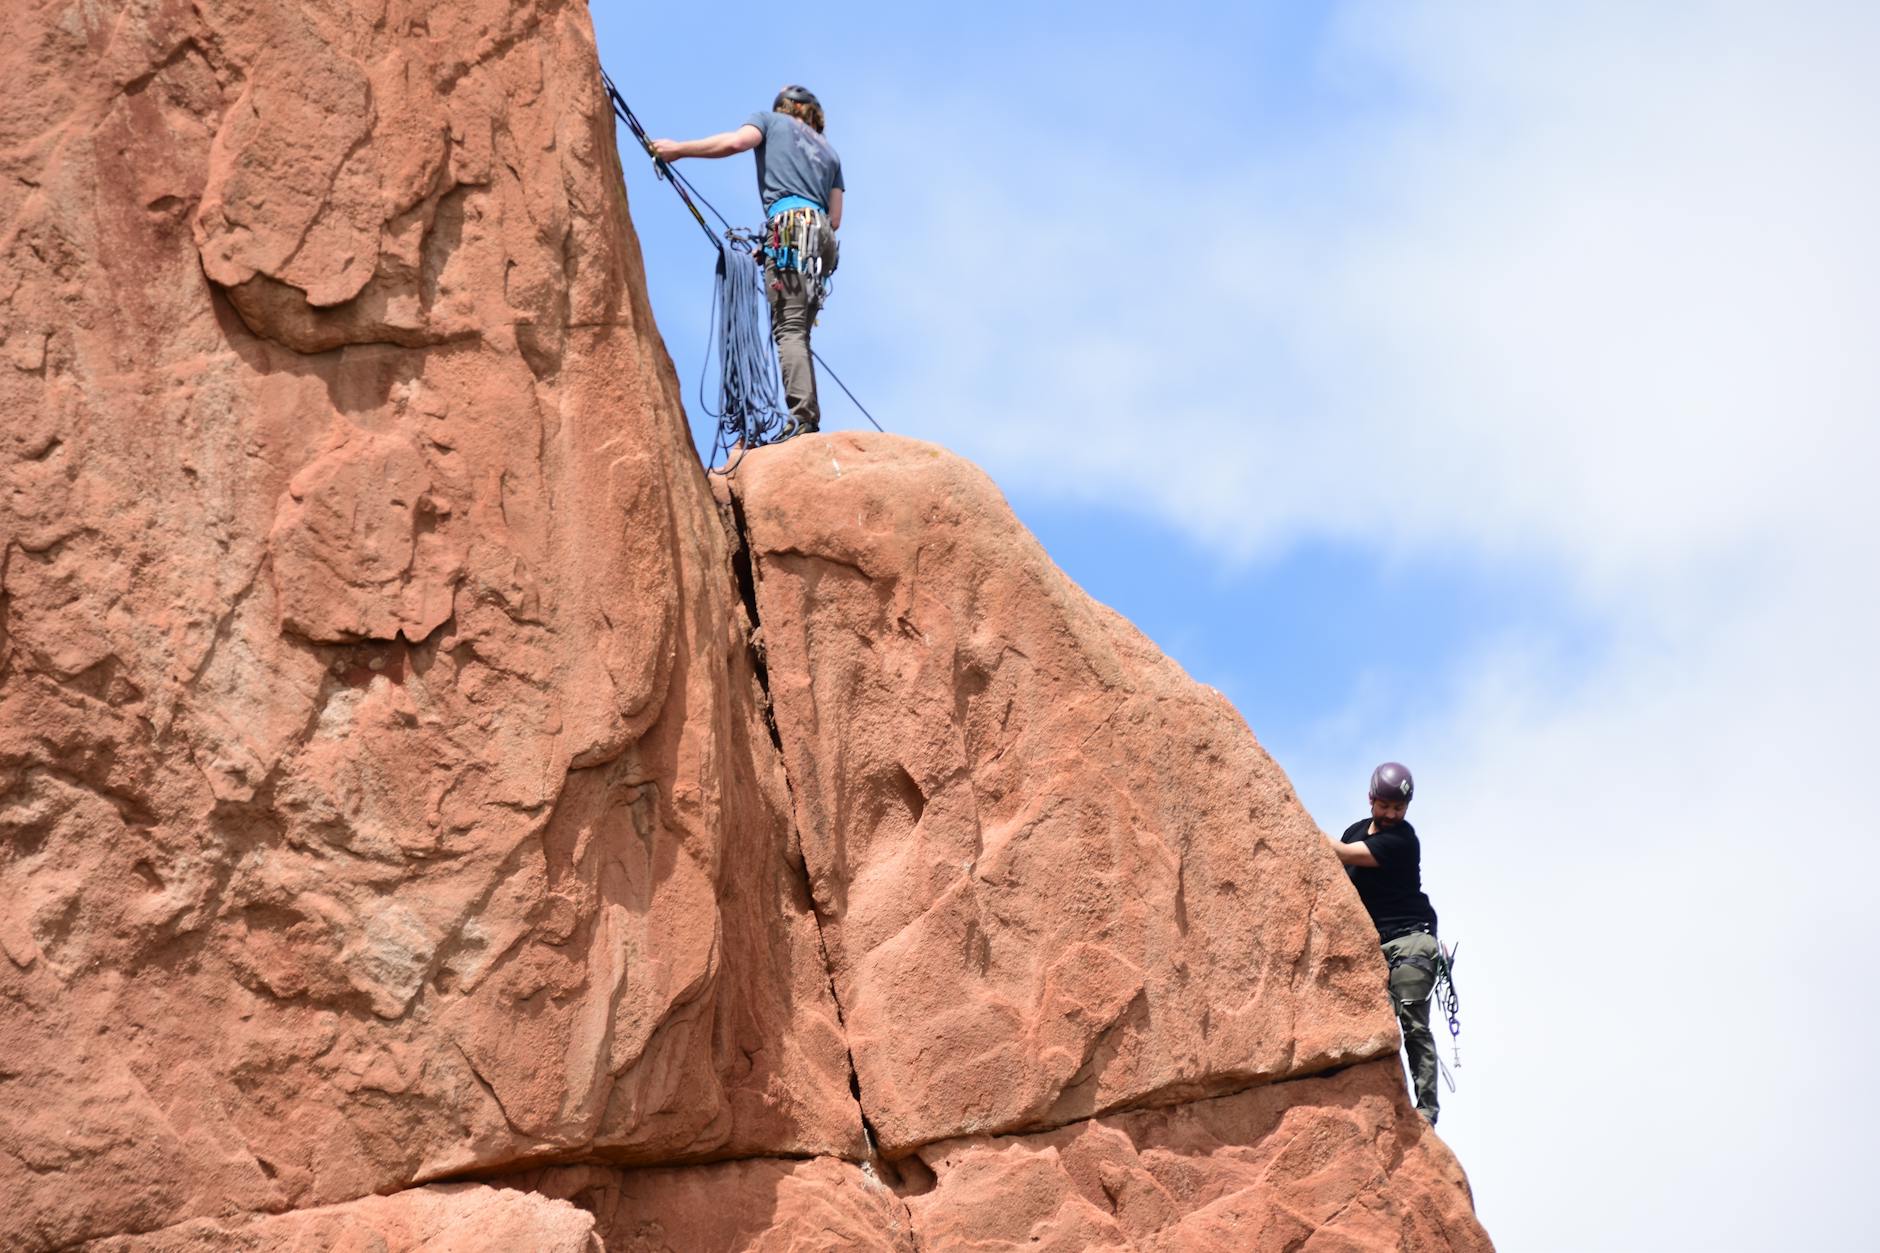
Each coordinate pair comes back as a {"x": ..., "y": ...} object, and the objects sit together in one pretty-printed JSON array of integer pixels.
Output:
[
  {"x": 1055, "y": 875},
  {"x": 383, "y": 790},
  {"x": 395, "y": 789},
  {"x": 759, "y": 1205},
  {"x": 451, "y": 1218},
  {"x": 1340, "y": 1163}
]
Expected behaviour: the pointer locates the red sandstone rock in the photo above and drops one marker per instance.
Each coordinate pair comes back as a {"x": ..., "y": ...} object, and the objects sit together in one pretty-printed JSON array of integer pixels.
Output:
[
  {"x": 383, "y": 790},
  {"x": 761, "y": 1205},
  {"x": 1056, "y": 876},
  {"x": 459, "y": 1218},
  {"x": 1341, "y": 1163}
]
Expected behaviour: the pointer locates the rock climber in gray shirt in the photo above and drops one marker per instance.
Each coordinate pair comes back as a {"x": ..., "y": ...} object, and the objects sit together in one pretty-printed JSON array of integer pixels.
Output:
[{"x": 799, "y": 177}]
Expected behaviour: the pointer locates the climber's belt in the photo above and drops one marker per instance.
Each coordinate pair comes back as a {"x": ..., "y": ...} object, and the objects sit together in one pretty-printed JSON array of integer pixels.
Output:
[
  {"x": 1400, "y": 931},
  {"x": 786, "y": 203}
]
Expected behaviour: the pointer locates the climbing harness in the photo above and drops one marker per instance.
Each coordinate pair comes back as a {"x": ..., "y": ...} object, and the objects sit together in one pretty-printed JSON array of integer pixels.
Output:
[
  {"x": 751, "y": 410},
  {"x": 800, "y": 240}
]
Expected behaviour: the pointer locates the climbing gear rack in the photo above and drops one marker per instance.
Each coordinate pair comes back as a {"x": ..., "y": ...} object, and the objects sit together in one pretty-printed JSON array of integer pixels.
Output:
[
  {"x": 800, "y": 240},
  {"x": 1445, "y": 997}
]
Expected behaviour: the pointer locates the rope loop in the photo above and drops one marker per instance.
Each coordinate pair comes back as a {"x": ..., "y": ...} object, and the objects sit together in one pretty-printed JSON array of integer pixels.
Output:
[{"x": 751, "y": 409}]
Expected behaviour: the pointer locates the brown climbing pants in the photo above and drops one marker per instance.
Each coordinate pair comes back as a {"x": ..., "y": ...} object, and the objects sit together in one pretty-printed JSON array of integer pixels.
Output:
[{"x": 792, "y": 315}]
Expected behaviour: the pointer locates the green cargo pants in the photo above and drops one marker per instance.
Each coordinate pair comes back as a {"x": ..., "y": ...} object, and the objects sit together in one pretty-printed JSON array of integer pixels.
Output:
[{"x": 1413, "y": 961}]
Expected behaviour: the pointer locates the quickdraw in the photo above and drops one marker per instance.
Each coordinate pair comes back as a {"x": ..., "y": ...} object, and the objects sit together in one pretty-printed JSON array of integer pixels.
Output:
[
  {"x": 1446, "y": 999},
  {"x": 800, "y": 240}
]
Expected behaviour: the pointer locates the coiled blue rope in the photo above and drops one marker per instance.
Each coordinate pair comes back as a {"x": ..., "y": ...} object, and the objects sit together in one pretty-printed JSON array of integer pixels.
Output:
[{"x": 751, "y": 409}]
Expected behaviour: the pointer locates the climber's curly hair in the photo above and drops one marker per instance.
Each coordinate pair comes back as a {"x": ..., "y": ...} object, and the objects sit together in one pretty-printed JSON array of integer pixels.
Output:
[{"x": 801, "y": 104}]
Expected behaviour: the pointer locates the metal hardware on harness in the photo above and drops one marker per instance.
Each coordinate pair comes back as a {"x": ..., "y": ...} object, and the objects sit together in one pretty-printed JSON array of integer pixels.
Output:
[
  {"x": 1445, "y": 992},
  {"x": 800, "y": 240}
]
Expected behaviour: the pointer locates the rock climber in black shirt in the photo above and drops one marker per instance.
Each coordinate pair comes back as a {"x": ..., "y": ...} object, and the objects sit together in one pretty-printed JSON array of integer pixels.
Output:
[{"x": 1382, "y": 856}]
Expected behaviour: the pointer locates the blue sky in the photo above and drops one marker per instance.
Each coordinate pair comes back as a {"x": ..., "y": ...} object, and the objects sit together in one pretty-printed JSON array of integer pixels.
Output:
[{"x": 1494, "y": 390}]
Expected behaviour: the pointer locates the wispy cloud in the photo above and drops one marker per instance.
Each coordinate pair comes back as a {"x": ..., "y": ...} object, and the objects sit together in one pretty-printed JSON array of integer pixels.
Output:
[
  {"x": 1588, "y": 290},
  {"x": 1580, "y": 293},
  {"x": 1598, "y": 286},
  {"x": 1659, "y": 875}
]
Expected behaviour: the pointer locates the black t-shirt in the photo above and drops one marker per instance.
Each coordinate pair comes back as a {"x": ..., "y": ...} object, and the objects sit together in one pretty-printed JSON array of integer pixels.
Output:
[{"x": 1392, "y": 890}]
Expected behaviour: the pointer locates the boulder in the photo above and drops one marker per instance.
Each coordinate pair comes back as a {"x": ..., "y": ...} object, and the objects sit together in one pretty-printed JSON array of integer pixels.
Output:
[
  {"x": 1337, "y": 1163},
  {"x": 1055, "y": 875}
]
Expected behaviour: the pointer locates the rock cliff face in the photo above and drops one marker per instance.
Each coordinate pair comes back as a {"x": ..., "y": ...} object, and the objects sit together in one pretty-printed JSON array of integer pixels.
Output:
[
  {"x": 413, "y": 782},
  {"x": 1026, "y": 830}
]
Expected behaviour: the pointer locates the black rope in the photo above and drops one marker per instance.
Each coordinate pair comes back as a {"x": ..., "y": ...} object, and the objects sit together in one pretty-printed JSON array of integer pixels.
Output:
[
  {"x": 689, "y": 193},
  {"x": 739, "y": 241},
  {"x": 846, "y": 392},
  {"x": 661, "y": 167}
]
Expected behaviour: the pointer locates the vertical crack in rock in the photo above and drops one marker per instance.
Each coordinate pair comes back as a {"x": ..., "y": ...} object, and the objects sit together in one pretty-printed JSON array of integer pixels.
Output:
[{"x": 744, "y": 568}]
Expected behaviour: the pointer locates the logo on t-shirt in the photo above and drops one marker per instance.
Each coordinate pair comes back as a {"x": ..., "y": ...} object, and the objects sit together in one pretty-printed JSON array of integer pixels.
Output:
[{"x": 812, "y": 147}]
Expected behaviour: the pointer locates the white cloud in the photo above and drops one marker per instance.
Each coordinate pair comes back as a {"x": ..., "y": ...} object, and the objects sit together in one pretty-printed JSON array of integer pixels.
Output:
[
  {"x": 1597, "y": 293},
  {"x": 1661, "y": 877},
  {"x": 1601, "y": 286}
]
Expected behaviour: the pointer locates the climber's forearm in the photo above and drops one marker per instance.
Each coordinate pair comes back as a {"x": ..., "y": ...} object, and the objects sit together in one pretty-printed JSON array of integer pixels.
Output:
[{"x": 723, "y": 144}]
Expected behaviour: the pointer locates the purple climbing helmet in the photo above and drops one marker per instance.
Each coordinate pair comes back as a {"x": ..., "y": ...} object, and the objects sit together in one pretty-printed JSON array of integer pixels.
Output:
[{"x": 1392, "y": 782}]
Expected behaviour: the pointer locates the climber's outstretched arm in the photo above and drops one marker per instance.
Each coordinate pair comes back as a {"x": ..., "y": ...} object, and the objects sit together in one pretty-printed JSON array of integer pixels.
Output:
[{"x": 723, "y": 144}]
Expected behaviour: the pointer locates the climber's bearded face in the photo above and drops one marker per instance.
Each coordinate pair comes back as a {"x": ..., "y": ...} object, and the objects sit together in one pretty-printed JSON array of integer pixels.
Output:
[{"x": 1388, "y": 813}]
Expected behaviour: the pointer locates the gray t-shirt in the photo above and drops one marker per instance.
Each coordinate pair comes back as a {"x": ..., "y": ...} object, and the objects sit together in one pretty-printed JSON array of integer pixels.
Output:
[{"x": 793, "y": 159}]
